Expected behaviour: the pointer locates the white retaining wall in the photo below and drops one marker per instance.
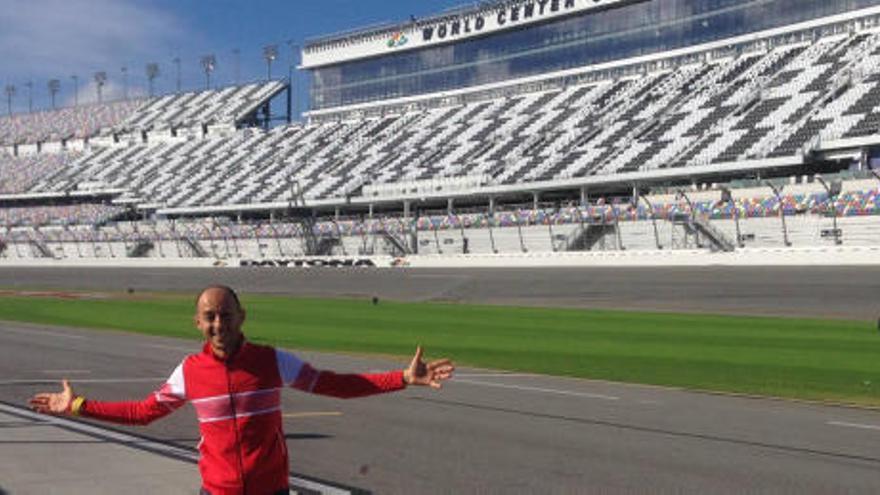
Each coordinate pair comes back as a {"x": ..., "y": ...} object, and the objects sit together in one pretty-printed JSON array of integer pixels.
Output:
[{"x": 820, "y": 256}]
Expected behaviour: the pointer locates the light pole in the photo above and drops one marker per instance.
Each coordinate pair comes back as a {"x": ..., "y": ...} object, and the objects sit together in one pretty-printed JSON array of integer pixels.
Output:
[
  {"x": 100, "y": 80},
  {"x": 293, "y": 48},
  {"x": 270, "y": 53},
  {"x": 236, "y": 60},
  {"x": 209, "y": 63},
  {"x": 10, "y": 92},
  {"x": 54, "y": 86},
  {"x": 727, "y": 198},
  {"x": 778, "y": 193},
  {"x": 291, "y": 76},
  {"x": 124, "y": 82},
  {"x": 75, "y": 90},
  {"x": 30, "y": 87},
  {"x": 152, "y": 73},
  {"x": 176, "y": 62},
  {"x": 833, "y": 191}
]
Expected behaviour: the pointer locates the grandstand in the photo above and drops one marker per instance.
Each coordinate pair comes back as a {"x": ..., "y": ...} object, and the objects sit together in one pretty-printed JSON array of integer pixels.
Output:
[{"x": 512, "y": 127}]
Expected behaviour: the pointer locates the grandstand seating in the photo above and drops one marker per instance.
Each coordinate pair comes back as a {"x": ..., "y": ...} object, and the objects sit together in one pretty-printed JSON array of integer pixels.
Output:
[
  {"x": 78, "y": 214},
  {"x": 807, "y": 209},
  {"x": 209, "y": 107},
  {"x": 772, "y": 103},
  {"x": 193, "y": 109},
  {"x": 20, "y": 174},
  {"x": 79, "y": 122},
  {"x": 761, "y": 104}
]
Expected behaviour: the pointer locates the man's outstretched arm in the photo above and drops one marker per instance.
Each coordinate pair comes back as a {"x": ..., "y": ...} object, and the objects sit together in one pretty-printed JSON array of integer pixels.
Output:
[
  {"x": 158, "y": 404},
  {"x": 302, "y": 376}
]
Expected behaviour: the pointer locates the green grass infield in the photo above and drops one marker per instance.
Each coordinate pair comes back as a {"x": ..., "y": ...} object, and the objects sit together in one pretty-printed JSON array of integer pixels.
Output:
[{"x": 824, "y": 360}]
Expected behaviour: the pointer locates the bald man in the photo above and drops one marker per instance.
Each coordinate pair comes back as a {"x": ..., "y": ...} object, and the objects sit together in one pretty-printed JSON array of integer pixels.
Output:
[{"x": 235, "y": 388}]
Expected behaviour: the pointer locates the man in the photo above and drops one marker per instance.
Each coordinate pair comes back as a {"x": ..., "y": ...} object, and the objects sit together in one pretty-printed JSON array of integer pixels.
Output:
[{"x": 235, "y": 388}]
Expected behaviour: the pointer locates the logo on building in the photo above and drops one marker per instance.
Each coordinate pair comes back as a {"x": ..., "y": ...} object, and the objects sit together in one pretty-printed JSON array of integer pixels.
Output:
[{"x": 397, "y": 40}]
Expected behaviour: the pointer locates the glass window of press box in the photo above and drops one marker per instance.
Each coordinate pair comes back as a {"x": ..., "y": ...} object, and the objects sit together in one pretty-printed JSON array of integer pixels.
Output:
[{"x": 631, "y": 30}]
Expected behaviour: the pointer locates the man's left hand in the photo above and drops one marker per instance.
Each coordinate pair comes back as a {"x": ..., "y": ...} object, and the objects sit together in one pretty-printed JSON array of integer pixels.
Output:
[{"x": 432, "y": 374}]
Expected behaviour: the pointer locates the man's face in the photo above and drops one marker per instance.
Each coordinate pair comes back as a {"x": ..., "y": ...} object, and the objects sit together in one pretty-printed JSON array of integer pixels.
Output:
[{"x": 219, "y": 318}]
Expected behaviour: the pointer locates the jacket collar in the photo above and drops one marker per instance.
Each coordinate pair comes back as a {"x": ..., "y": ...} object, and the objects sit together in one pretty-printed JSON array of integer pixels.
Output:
[{"x": 245, "y": 345}]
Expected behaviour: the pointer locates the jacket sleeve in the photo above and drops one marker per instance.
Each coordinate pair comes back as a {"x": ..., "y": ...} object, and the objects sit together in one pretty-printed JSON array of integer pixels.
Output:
[
  {"x": 168, "y": 398},
  {"x": 302, "y": 376}
]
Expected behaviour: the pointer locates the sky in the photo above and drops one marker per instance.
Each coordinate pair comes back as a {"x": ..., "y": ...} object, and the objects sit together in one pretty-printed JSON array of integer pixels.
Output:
[{"x": 42, "y": 40}]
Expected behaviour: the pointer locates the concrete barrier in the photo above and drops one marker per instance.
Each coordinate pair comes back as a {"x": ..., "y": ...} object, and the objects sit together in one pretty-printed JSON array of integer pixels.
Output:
[
  {"x": 113, "y": 262},
  {"x": 818, "y": 256}
]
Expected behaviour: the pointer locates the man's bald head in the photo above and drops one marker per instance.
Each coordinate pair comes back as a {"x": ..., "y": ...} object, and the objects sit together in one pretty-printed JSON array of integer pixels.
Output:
[
  {"x": 219, "y": 317},
  {"x": 219, "y": 287}
]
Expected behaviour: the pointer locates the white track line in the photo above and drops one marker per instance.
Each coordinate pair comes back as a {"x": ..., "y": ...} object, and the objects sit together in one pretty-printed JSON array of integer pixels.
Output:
[
  {"x": 311, "y": 414},
  {"x": 154, "y": 446},
  {"x": 169, "y": 347},
  {"x": 854, "y": 425},
  {"x": 43, "y": 332},
  {"x": 491, "y": 375},
  {"x": 41, "y": 381},
  {"x": 586, "y": 395}
]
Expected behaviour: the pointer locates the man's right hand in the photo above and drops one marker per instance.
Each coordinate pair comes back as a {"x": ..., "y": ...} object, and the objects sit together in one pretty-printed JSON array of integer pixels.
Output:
[{"x": 54, "y": 403}]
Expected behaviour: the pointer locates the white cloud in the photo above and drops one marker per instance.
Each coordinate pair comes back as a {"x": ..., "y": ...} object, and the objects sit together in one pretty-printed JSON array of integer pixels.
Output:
[
  {"x": 88, "y": 93},
  {"x": 44, "y": 39}
]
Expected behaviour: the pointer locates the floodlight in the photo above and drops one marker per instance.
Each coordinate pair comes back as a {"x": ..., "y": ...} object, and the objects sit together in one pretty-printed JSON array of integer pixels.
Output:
[
  {"x": 30, "y": 86},
  {"x": 270, "y": 53},
  {"x": 54, "y": 86},
  {"x": 236, "y": 58},
  {"x": 176, "y": 62},
  {"x": 100, "y": 80},
  {"x": 209, "y": 63},
  {"x": 75, "y": 90},
  {"x": 152, "y": 73},
  {"x": 10, "y": 92},
  {"x": 124, "y": 71}
]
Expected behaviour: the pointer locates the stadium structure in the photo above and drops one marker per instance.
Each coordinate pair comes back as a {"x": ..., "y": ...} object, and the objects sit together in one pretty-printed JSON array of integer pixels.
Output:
[{"x": 522, "y": 129}]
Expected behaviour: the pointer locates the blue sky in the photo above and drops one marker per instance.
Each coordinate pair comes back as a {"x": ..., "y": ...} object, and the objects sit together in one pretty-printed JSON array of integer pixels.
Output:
[{"x": 45, "y": 39}]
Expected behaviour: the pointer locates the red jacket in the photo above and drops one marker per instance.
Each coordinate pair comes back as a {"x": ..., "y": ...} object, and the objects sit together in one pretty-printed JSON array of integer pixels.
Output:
[{"x": 238, "y": 404}]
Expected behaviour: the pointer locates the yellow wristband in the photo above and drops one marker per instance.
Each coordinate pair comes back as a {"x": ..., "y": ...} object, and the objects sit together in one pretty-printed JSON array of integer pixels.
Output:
[{"x": 76, "y": 405}]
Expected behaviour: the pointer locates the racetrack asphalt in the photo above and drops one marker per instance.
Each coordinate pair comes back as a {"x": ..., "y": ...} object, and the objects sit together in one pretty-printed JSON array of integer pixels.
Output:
[
  {"x": 823, "y": 292},
  {"x": 496, "y": 432}
]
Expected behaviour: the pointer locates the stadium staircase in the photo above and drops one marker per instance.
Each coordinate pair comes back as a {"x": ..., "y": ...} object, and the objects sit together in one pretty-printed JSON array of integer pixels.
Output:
[
  {"x": 141, "y": 249},
  {"x": 325, "y": 245},
  {"x": 41, "y": 249},
  {"x": 313, "y": 244},
  {"x": 197, "y": 250},
  {"x": 587, "y": 237},
  {"x": 396, "y": 245},
  {"x": 717, "y": 239}
]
